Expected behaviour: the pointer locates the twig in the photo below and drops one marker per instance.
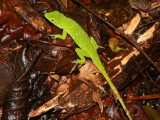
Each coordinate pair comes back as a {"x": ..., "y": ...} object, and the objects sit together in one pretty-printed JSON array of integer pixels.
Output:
[
  {"x": 144, "y": 77},
  {"x": 128, "y": 38},
  {"x": 154, "y": 96},
  {"x": 152, "y": 80},
  {"x": 62, "y": 5},
  {"x": 142, "y": 26}
]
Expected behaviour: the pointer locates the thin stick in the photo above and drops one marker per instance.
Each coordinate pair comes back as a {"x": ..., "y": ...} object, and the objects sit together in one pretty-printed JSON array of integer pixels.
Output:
[
  {"x": 127, "y": 37},
  {"x": 152, "y": 80}
]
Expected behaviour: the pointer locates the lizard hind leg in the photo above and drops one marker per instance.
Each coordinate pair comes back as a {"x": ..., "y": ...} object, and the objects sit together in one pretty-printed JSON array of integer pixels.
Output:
[
  {"x": 81, "y": 61},
  {"x": 94, "y": 43}
]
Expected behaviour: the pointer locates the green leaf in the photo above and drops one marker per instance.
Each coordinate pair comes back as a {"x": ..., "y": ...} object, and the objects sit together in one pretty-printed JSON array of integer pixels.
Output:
[
  {"x": 151, "y": 113},
  {"x": 113, "y": 44}
]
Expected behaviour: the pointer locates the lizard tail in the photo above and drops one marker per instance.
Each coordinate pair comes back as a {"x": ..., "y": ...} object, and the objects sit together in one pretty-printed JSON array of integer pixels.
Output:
[{"x": 96, "y": 60}]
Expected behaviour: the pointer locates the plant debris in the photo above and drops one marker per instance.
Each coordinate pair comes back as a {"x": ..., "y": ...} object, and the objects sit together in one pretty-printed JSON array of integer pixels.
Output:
[{"x": 35, "y": 79}]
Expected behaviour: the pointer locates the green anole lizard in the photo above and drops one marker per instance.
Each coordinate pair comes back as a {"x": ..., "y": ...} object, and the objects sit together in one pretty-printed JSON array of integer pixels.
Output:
[{"x": 88, "y": 46}]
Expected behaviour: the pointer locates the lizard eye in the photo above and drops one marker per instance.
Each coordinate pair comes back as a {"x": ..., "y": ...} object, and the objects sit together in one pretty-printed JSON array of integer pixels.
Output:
[{"x": 52, "y": 20}]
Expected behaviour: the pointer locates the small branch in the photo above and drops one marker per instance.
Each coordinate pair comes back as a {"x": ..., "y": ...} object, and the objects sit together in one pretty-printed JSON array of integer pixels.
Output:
[
  {"x": 62, "y": 5},
  {"x": 129, "y": 39},
  {"x": 141, "y": 71},
  {"x": 142, "y": 26},
  {"x": 152, "y": 80},
  {"x": 154, "y": 96}
]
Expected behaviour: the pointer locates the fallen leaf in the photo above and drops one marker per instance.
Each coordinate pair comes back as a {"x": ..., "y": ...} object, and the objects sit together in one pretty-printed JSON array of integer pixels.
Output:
[{"x": 151, "y": 113}]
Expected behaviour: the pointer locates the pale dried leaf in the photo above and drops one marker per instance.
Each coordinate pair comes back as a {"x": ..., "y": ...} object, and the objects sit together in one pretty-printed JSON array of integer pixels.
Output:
[
  {"x": 148, "y": 34},
  {"x": 133, "y": 24}
]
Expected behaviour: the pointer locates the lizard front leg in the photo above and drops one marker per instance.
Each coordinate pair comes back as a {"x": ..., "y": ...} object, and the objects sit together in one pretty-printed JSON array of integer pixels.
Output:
[
  {"x": 81, "y": 53},
  {"x": 62, "y": 37}
]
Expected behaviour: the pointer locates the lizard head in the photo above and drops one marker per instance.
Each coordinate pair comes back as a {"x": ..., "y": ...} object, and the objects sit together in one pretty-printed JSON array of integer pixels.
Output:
[{"x": 55, "y": 17}]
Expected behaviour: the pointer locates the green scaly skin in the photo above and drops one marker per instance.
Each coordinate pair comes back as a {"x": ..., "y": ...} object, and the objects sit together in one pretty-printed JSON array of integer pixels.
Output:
[{"x": 88, "y": 46}]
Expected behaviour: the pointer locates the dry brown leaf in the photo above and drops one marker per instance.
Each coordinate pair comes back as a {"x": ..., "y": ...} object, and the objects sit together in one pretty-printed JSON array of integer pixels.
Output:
[
  {"x": 90, "y": 72},
  {"x": 65, "y": 3},
  {"x": 96, "y": 97}
]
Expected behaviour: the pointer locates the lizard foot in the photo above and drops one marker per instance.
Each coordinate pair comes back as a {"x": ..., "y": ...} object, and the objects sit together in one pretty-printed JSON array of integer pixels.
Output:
[
  {"x": 101, "y": 47},
  {"x": 77, "y": 62},
  {"x": 55, "y": 36}
]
